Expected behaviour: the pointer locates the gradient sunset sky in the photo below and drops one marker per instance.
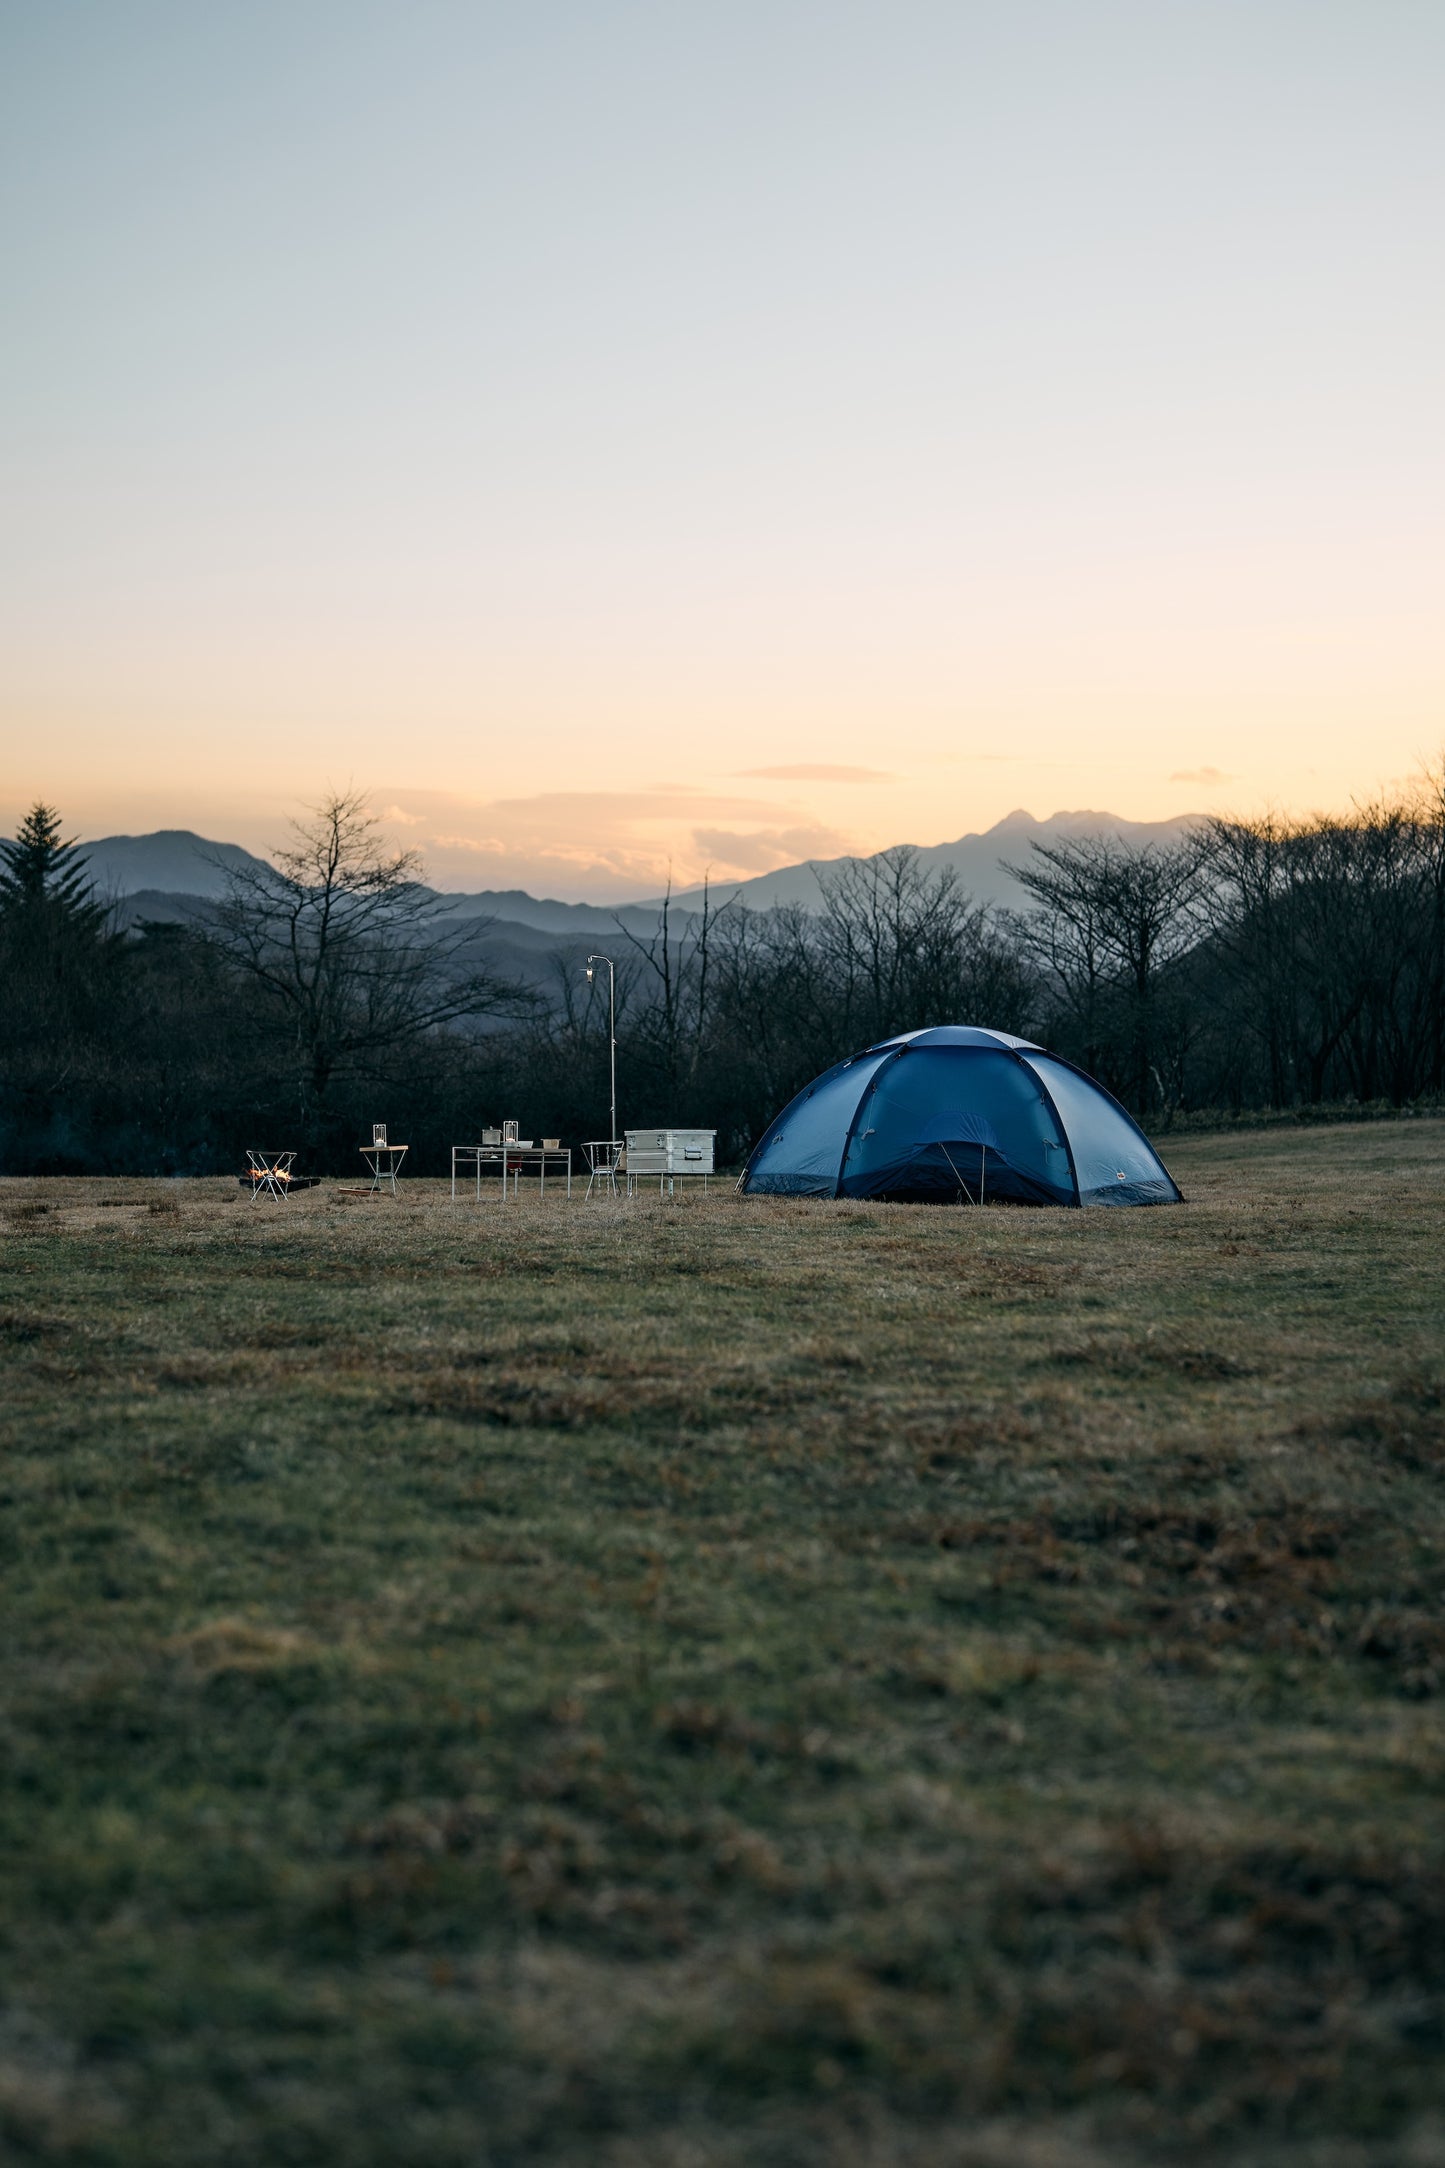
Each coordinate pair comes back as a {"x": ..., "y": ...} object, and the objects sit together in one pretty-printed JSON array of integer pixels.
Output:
[{"x": 621, "y": 435}]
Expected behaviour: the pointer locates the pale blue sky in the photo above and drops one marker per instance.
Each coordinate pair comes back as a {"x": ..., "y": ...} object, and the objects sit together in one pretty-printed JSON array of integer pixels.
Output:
[{"x": 522, "y": 410}]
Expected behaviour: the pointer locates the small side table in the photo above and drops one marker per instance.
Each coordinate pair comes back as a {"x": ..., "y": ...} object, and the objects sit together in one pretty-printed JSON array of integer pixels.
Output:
[{"x": 384, "y": 1161}]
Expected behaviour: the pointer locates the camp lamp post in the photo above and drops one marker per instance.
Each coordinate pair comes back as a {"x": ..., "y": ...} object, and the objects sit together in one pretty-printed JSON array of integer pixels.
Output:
[{"x": 611, "y": 1028}]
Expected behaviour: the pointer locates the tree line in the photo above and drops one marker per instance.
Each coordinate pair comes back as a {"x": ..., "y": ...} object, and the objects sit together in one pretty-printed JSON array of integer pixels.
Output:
[{"x": 1272, "y": 962}]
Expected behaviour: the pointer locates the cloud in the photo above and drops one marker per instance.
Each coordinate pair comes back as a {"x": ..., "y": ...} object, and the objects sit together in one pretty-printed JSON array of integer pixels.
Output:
[
  {"x": 600, "y": 845},
  {"x": 761, "y": 850},
  {"x": 819, "y": 771},
  {"x": 403, "y": 820},
  {"x": 545, "y": 813},
  {"x": 1202, "y": 775}
]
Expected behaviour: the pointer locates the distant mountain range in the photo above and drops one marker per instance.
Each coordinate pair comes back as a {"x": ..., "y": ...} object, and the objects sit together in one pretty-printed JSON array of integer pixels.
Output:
[
  {"x": 176, "y": 863},
  {"x": 175, "y": 873},
  {"x": 978, "y": 860}
]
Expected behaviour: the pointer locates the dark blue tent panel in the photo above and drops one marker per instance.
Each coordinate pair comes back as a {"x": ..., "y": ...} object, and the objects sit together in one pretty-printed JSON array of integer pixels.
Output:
[
  {"x": 940, "y": 1119},
  {"x": 958, "y": 1115}
]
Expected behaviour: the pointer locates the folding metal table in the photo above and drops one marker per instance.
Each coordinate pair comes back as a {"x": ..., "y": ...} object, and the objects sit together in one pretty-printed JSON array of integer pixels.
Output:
[
  {"x": 510, "y": 1159},
  {"x": 384, "y": 1161}
]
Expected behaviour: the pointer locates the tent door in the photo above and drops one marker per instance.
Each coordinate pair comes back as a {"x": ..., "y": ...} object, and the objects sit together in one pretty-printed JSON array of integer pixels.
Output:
[{"x": 982, "y": 1172}]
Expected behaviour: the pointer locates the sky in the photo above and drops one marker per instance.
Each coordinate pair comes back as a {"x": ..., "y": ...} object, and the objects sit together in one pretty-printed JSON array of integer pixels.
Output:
[{"x": 623, "y": 437}]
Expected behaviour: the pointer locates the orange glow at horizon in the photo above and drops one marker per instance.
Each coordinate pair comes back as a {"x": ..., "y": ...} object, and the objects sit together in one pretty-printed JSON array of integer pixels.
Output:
[{"x": 597, "y": 780}]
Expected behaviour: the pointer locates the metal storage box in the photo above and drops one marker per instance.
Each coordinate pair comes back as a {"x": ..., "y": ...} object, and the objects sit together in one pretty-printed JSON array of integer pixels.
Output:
[{"x": 670, "y": 1151}]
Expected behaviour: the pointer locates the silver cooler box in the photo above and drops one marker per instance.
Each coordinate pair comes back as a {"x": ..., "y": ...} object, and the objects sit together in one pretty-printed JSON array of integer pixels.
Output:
[{"x": 670, "y": 1151}]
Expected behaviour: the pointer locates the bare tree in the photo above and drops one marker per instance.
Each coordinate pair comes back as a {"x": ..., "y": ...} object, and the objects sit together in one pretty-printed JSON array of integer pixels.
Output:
[
  {"x": 775, "y": 1018},
  {"x": 1111, "y": 918},
  {"x": 1252, "y": 861},
  {"x": 1332, "y": 934},
  {"x": 1429, "y": 811},
  {"x": 350, "y": 956},
  {"x": 675, "y": 1022},
  {"x": 910, "y": 948}
]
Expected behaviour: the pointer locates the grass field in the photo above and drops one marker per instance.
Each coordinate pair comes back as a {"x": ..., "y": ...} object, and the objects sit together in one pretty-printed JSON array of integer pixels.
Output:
[{"x": 702, "y": 1682}]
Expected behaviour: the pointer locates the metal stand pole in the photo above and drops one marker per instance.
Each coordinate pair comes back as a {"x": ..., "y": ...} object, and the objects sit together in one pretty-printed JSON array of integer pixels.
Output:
[{"x": 611, "y": 1039}]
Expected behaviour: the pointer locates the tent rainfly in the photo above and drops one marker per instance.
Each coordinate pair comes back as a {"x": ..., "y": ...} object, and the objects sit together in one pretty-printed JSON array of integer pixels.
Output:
[{"x": 958, "y": 1115}]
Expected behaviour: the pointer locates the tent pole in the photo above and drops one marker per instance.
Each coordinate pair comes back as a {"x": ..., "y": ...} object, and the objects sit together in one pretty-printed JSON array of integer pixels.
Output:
[{"x": 956, "y": 1175}]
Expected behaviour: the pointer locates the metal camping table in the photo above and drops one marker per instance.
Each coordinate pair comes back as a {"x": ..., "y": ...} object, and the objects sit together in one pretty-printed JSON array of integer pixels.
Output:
[
  {"x": 384, "y": 1161},
  {"x": 510, "y": 1159}
]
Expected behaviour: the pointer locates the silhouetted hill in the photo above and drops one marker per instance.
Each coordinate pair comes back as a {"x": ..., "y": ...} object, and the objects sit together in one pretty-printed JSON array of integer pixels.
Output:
[
  {"x": 975, "y": 858},
  {"x": 532, "y": 957},
  {"x": 162, "y": 907},
  {"x": 186, "y": 868},
  {"x": 174, "y": 873},
  {"x": 173, "y": 860},
  {"x": 582, "y": 920}
]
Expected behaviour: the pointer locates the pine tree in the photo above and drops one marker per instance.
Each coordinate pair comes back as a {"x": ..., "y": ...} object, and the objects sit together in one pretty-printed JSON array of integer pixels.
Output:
[
  {"x": 42, "y": 871},
  {"x": 56, "y": 950}
]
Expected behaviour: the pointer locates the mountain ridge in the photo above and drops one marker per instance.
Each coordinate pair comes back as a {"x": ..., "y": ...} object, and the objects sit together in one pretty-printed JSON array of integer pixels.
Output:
[
  {"x": 975, "y": 858},
  {"x": 179, "y": 862}
]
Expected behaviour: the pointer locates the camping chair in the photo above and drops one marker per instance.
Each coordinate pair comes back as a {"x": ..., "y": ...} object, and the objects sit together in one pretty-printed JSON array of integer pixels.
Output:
[
  {"x": 604, "y": 1157},
  {"x": 270, "y": 1174}
]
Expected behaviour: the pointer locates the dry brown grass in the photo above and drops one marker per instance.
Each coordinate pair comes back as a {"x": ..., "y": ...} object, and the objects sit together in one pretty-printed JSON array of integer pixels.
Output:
[{"x": 695, "y": 1682}]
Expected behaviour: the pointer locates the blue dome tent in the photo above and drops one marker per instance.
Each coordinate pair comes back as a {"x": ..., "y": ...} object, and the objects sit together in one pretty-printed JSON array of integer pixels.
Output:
[{"x": 958, "y": 1115}]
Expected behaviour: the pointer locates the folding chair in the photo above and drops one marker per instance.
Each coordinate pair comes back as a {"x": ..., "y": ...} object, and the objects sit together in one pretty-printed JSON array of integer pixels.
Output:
[{"x": 604, "y": 1157}]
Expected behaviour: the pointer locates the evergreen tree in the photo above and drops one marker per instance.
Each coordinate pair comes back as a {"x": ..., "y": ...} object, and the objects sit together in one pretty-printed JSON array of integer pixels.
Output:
[
  {"x": 59, "y": 968},
  {"x": 42, "y": 870}
]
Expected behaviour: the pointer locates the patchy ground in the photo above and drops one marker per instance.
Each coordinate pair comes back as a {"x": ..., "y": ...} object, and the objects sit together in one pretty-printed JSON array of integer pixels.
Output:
[{"x": 702, "y": 1682}]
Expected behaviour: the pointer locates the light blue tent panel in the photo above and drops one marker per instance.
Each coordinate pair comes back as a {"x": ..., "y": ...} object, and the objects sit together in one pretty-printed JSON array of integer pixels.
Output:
[
  {"x": 802, "y": 1151},
  {"x": 1114, "y": 1162}
]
